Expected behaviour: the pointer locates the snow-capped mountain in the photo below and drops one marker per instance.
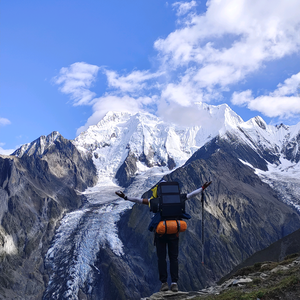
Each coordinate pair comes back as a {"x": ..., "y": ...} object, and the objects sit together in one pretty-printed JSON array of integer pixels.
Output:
[
  {"x": 279, "y": 148},
  {"x": 144, "y": 145},
  {"x": 101, "y": 248},
  {"x": 280, "y": 141}
]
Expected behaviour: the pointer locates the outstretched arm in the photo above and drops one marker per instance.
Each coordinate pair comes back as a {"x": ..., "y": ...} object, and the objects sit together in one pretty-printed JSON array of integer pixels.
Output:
[
  {"x": 198, "y": 191},
  {"x": 132, "y": 199}
]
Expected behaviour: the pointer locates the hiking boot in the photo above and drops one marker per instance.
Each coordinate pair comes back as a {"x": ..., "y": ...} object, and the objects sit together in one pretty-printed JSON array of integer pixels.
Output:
[
  {"x": 164, "y": 287},
  {"x": 174, "y": 287}
]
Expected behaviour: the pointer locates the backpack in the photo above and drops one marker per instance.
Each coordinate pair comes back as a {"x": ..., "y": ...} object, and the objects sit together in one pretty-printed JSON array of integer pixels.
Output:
[{"x": 167, "y": 204}]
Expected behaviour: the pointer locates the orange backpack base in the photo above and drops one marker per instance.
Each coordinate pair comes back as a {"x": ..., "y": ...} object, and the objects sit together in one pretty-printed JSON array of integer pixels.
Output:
[{"x": 171, "y": 226}]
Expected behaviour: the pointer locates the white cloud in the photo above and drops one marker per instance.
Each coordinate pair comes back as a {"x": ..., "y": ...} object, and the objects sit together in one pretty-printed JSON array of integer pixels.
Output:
[
  {"x": 77, "y": 80},
  {"x": 184, "y": 7},
  {"x": 289, "y": 87},
  {"x": 4, "y": 121},
  {"x": 242, "y": 98},
  {"x": 233, "y": 39},
  {"x": 284, "y": 107},
  {"x": 183, "y": 93},
  {"x": 127, "y": 94},
  {"x": 184, "y": 115},
  {"x": 284, "y": 102},
  {"x": 133, "y": 82},
  {"x": 5, "y": 151}
]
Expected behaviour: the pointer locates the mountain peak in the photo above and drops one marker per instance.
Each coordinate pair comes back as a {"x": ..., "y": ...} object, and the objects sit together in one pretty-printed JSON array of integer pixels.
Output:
[
  {"x": 281, "y": 125},
  {"x": 232, "y": 119},
  {"x": 38, "y": 146},
  {"x": 113, "y": 116},
  {"x": 260, "y": 122}
]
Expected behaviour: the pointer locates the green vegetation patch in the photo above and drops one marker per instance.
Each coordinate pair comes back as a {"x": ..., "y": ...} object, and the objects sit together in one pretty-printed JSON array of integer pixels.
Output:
[{"x": 248, "y": 270}]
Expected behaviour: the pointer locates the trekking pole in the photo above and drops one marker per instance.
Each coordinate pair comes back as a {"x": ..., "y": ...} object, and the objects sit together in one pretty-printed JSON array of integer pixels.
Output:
[{"x": 202, "y": 234}]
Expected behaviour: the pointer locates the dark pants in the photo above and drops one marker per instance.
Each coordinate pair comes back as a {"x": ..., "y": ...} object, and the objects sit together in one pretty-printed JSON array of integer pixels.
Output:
[{"x": 170, "y": 240}]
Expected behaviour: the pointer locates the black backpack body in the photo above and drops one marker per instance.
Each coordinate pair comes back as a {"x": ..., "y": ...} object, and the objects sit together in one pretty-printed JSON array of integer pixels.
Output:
[{"x": 168, "y": 202}]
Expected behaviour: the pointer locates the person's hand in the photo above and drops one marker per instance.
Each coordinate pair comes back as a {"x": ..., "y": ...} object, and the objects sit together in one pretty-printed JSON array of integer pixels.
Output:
[
  {"x": 121, "y": 194},
  {"x": 205, "y": 185}
]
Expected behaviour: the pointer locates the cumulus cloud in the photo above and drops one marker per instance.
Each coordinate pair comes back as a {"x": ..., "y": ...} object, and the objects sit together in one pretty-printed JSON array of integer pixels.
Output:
[
  {"x": 133, "y": 82},
  {"x": 184, "y": 7},
  {"x": 76, "y": 80},
  {"x": 126, "y": 91},
  {"x": 255, "y": 31},
  {"x": 183, "y": 93},
  {"x": 241, "y": 98},
  {"x": 284, "y": 102},
  {"x": 290, "y": 87},
  {"x": 4, "y": 121},
  {"x": 270, "y": 106},
  {"x": 231, "y": 40},
  {"x": 183, "y": 115}
]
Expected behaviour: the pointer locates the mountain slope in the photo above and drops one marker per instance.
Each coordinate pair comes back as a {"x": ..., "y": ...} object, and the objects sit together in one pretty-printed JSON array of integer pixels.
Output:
[
  {"x": 36, "y": 189},
  {"x": 276, "y": 252}
]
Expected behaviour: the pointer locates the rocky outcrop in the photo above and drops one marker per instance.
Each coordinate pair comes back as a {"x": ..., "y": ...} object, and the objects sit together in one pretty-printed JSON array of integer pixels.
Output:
[
  {"x": 125, "y": 173},
  {"x": 173, "y": 296},
  {"x": 291, "y": 150},
  {"x": 36, "y": 189}
]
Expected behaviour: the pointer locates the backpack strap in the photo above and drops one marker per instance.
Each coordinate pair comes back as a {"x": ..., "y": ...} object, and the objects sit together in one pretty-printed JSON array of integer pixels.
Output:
[
  {"x": 178, "y": 225},
  {"x": 166, "y": 229}
]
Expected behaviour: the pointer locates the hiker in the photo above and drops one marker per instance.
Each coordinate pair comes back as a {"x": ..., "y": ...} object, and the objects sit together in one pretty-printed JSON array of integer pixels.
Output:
[{"x": 167, "y": 223}]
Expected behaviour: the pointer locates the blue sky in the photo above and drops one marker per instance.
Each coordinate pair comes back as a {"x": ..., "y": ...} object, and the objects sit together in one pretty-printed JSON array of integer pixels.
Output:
[{"x": 64, "y": 64}]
